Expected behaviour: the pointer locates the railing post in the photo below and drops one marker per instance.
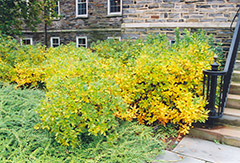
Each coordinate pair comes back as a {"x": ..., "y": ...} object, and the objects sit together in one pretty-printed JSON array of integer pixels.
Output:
[{"x": 212, "y": 98}]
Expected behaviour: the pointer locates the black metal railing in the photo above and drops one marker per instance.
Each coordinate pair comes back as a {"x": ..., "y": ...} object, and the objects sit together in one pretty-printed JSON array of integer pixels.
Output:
[{"x": 216, "y": 83}]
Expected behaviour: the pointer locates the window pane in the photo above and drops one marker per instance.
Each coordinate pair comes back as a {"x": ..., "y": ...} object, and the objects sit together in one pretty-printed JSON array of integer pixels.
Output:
[
  {"x": 82, "y": 42},
  {"x": 55, "y": 41},
  {"x": 56, "y": 8},
  {"x": 26, "y": 42},
  {"x": 82, "y": 9},
  {"x": 115, "y": 6}
]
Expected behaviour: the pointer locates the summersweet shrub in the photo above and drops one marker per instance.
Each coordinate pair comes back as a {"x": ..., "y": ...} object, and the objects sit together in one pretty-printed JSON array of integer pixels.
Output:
[
  {"x": 163, "y": 84},
  {"x": 21, "y": 64},
  {"x": 81, "y": 97},
  {"x": 167, "y": 84}
]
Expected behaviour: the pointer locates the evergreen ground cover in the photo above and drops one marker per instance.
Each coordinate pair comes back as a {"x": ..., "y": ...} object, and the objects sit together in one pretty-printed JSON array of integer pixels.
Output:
[{"x": 20, "y": 142}]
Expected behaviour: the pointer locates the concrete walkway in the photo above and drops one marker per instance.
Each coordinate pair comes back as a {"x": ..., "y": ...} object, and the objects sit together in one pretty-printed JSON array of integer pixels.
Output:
[{"x": 193, "y": 150}]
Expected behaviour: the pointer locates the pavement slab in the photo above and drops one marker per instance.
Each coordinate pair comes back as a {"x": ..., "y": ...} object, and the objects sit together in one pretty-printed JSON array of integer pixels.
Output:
[
  {"x": 207, "y": 151},
  {"x": 172, "y": 157}
]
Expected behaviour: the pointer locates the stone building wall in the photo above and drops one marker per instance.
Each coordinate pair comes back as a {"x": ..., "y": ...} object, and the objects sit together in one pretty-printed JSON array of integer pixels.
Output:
[
  {"x": 141, "y": 17},
  {"x": 97, "y": 26},
  {"x": 187, "y": 11},
  {"x": 97, "y": 16}
]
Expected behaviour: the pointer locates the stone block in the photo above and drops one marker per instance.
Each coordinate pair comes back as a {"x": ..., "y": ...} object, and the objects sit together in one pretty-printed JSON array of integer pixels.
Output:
[
  {"x": 152, "y": 6},
  {"x": 167, "y": 5},
  {"x": 203, "y": 6}
]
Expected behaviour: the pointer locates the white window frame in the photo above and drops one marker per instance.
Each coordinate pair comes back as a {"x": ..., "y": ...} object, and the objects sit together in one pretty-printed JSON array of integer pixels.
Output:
[
  {"x": 51, "y": 41},
  {"x": 115, "y": 38},
  {"x": 81, "y": 37},
  {"x": 82, "y": 16},
  {"x": 27, "y": 38},
  {"x": 115, "y": 13}
]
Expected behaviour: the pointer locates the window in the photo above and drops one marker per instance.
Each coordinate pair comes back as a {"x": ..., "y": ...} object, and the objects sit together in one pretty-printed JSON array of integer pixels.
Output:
[
  {"x": 114, "y": 7},
  {"x": 115, "y": 38},
  {"x": 81, "y": 8},
  {"x": 57, "y": 8},
  {"x": 26, "y": 41},
  {"x": 81, "y": 42},
  {"x": 55, "y": 41},
  {"x": 172, "y": 42}
]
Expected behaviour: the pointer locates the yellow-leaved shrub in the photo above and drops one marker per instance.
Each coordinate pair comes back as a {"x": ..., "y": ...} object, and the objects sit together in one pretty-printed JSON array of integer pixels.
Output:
[
  {"x": 165, "y": 89},
  {"x": 163, "y": 83},
  {"x": 21, "y": 64},
  {"x": 81, "y": 95}
]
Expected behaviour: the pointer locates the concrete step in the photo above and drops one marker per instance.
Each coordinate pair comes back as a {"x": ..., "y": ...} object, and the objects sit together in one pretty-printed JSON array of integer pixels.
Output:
[
  {"x": 223, "y": 134},
  {"x": 206, "y": 151},
  {"x": 233, "y": 101},
  {"x": 237, "y": 65},
  {"x": 230, "y": 117},
  {"x": 236, "y": 76},
  {"x": 235, "y": 88}
]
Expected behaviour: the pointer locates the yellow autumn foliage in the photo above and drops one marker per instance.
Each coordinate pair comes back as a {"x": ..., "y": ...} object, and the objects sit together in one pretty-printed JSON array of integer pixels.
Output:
[
  {"x": 163, "y": 83},
  {"x": 150, "y": 81}
]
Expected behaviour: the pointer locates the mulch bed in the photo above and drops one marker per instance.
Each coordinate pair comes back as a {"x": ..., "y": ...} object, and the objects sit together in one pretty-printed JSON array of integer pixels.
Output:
[{"x": 172, "y": 142}]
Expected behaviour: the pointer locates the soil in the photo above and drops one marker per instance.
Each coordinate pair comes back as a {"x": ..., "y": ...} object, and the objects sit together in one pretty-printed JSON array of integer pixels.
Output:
[{"x": 172, "y": 142}]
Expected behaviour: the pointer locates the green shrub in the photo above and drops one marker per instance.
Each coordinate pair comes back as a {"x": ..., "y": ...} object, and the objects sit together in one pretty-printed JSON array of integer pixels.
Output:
[
  {"x": 125, "y": 51},
  {"x": 81, "y": 97}
]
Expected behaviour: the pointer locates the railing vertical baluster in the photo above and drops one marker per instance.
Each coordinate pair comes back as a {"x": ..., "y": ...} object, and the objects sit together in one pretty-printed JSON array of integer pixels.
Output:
[
  {"x": 204, "y": 80},
  {"x": 220, "y": 97},
  {"x": 213, "y": 90}
]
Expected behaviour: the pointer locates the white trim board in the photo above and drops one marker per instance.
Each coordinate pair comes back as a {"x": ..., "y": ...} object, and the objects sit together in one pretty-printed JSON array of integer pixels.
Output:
[
  {"x": 77, "y": 30},
  {"x": 178, "y": 24}
]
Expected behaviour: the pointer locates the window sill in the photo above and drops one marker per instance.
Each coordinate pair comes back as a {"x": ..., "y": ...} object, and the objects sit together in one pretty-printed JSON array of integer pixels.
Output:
[
  {"x": 114, "y": 14},
  {"x": 56, "y": 19},
  {"x": 82, "y": 16}
]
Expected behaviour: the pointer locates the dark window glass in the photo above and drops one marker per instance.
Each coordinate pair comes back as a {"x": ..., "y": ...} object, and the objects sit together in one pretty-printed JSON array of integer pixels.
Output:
[
  {"x": 82, "y": 7},
  {"x": 26, "y": 42},
  {"x": 55, "y": 42},
  {"x": 56, "y": 9},
  {"x": 82, "y": 42},
  {"x": 115, "y": 6},
  {"x": 82, "y": 10}
]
